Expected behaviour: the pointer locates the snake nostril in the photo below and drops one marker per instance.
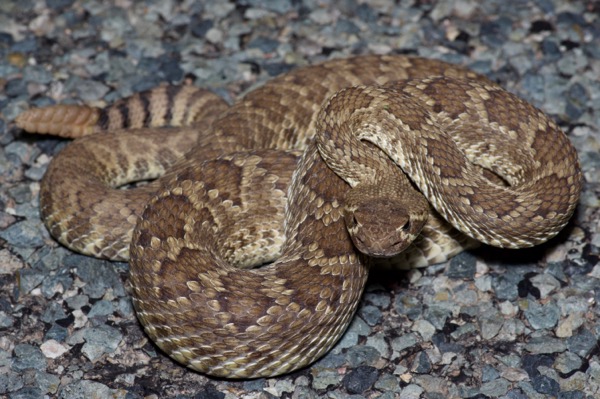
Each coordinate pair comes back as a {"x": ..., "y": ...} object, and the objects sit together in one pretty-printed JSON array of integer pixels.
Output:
[{"x": 405, "y": 226}]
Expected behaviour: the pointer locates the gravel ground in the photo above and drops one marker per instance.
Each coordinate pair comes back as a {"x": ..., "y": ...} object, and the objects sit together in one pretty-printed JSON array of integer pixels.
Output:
[{"x": 490, "y": 323}]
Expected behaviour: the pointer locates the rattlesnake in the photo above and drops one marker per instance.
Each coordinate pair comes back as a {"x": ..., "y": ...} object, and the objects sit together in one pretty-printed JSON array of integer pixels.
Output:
[{"x": 492, "y": 165}]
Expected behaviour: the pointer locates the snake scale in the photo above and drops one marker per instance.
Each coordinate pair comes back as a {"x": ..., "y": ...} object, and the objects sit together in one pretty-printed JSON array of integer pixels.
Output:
[{"x": 303, "y": 176}]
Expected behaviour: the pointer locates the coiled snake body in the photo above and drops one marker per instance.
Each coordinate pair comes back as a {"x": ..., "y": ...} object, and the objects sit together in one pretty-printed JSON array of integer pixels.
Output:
[{"x": 258, "y": 189}]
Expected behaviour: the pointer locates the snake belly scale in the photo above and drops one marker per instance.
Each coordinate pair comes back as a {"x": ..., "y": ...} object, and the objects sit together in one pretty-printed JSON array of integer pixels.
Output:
[{"x": 298, "y": 178}]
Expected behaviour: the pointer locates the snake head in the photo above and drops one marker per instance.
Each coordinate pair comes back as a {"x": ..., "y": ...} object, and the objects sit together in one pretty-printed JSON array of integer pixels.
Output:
[{"x": 382, "y": 227}]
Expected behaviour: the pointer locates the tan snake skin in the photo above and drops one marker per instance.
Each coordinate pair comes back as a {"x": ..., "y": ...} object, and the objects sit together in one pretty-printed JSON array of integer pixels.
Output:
[{"x": 495, "y": 167}]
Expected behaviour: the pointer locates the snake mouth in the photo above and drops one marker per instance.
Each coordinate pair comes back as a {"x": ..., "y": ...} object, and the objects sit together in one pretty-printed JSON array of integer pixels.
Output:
[
  {"x": 380, "y": 243},
  {"x": 387, "y": 250}
]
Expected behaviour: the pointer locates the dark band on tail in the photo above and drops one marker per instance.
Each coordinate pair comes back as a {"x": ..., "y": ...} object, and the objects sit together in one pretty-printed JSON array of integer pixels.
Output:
[{"x": 166, "y": 105}]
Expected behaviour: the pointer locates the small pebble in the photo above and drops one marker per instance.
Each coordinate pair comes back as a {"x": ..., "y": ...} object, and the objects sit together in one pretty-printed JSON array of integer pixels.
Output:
[
  {"x": 53, "y": 313},
  {"x": 89, "y": 389},
  {"x": 542, "y": 316},
  {"x": 571, "y": 395},
  {"x": 101, "y": 308},
  {"x": 490, "y": 324},
  {"x": 531, "y": 363},
  {"x": 567, "y": 326},
  {"x": 360, "y": 379},
  {"x": 358, "y": 355},
  {"x": 462, "y": 266},
  {"x": 57, "y": 333},
  {"x": 27, "y": 233},
  {"x": 567, "y": 362},
  {"x": 53, "y": 349},
  {"x": 409, "y": 306},
  {"x": 489, "y": 373},
  {"x": 28, "y": 357},
  {"x": 403, "y": 342},
  {"x": 546, "y": 283},
  {"x": 77, "y": 301},
  {"x": 424, "y": 328},
  {"x": 545, "y": 385},
  {"x": 506, "y": 286},
  {"x": 422, "y": 364},
  {"x": 583, "y": 343},
  {"x": 388, "y": 383},
  {"x": 97, "y": 275},
  {"x": 379, "y": 342},
  {"x": 47, "y": 382},
  {"x": 495, "y": 388},
  {"x": 545, "y": 344},
  {"x": 27, "y": 393},
  {"x": 100, "y": 340},
  {"x": 6, "y": 320},
  {"x": 411, "y": 391},
  {"x": 324, "y": 378},
  {"x": 370, "y": 314}
]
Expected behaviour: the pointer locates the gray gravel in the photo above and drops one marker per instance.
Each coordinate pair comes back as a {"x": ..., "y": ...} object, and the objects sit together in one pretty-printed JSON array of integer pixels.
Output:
[{"x": 489, "y": 323}]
